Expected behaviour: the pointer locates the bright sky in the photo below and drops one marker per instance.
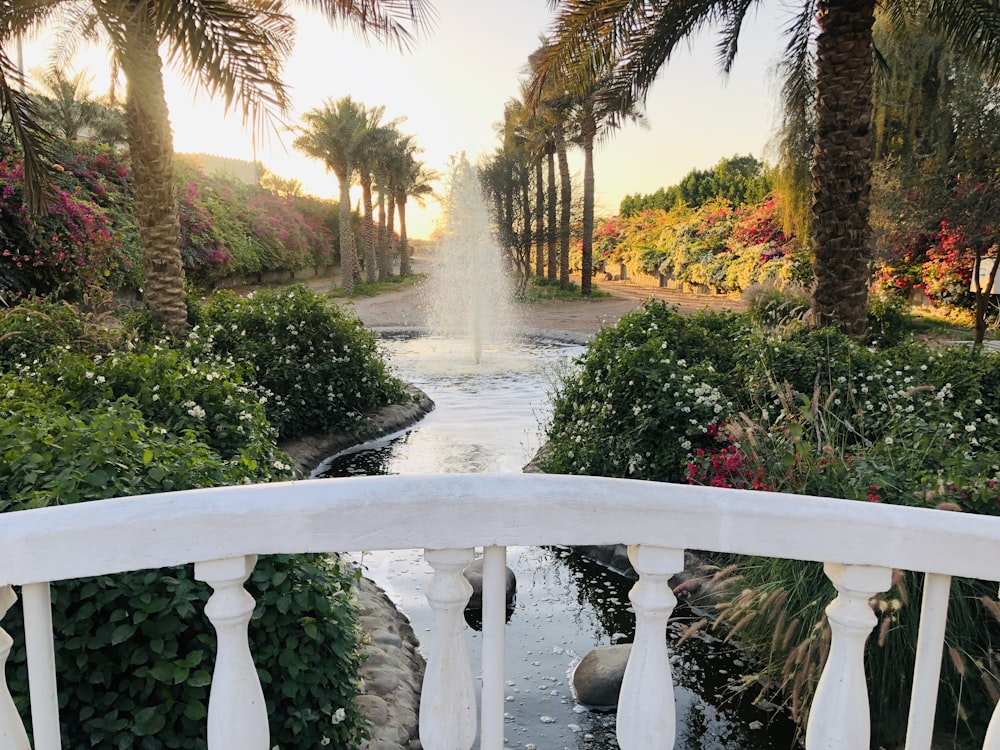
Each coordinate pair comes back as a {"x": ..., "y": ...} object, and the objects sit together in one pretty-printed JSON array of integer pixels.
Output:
[{"x": 452, "y": 86}]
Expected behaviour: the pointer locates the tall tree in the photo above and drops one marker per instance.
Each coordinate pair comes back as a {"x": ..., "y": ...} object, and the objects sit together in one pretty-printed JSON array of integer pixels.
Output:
[
  {"x": 636, "y": 38},
  {"x": 376, "y": 138},
  {"x": 68, "y": 108},
  {"x": 335, "y": 134},
  {"x": 233, "y": 49},
  {"x": 393, "y": 167},
  {"x": 417, "y": 183}
]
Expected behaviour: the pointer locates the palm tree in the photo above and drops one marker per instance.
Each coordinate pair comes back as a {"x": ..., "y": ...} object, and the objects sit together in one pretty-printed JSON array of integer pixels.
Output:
[
  {"x": 234, "y": 49},
  {"x": 335, "y": 134},
  {"x": 394, "y": 166},
  {"x": 595, "y": 114},
  {"x": 376, "y": 138},
  {"x": 550, "y": 99},
  {"x": 635, "y": 39},
  {"x": 417, "y": 183},
  {"x": 67, "y": 107}
]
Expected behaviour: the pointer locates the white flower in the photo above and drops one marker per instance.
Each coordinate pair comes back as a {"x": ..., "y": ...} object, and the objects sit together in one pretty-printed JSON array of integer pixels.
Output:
[
  {"x": 100, "y": 379},
  {"x": 338, "y": 716}
]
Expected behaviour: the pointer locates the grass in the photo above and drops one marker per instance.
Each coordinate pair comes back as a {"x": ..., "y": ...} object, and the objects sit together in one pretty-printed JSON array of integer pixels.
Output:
[
  {"x": 365, "y": 289},
  {"x": 940, "y": 324},
  {"x": 542, "y": 289}
]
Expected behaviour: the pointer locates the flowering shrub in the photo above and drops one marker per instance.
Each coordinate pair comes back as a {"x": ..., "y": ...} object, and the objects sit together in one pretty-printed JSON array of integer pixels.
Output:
[
  {"x": 642, "y": 398},
  {"x": 316, "y": 368},
  {"x": 64, "y": 252},
  {"x": 940, "y": 257},
  {"x": 81, "y": 423},
  {"x": 204, "y": 256},
  {"x": 714, "y": 244},
  {"x": 810, "y": 412},
  {"x": 229, "y": 227},
  {"x": 90, "y": 236}
]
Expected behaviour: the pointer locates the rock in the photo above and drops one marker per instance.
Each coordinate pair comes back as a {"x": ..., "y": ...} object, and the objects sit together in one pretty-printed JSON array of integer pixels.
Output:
[
  {"x": 597, "y": 680},
  {"x": 373, "y": 708},
  {"x": 474, "y": 575}
]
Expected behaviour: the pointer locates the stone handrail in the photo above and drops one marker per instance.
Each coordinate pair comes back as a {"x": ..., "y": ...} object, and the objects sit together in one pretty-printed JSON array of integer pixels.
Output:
[{"x": 222, "y": 530}]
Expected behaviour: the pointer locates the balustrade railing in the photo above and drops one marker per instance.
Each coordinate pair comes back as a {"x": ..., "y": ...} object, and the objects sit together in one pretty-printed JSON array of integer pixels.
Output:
[{"x": 222, "y": 531}]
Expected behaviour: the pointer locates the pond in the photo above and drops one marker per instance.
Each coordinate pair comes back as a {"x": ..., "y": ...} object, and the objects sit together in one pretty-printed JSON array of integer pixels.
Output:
[{"x": 488, "y": 418}]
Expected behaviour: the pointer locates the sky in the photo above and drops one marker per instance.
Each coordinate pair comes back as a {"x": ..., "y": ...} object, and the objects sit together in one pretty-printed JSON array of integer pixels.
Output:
[{"x": 452, "y": 85}]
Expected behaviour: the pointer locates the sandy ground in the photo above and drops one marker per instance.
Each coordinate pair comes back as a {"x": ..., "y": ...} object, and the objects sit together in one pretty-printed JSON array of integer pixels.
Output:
[{"x": 406, "y": 307}]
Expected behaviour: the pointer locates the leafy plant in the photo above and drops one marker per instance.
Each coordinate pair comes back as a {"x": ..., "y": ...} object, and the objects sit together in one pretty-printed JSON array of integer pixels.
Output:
[
  {"x": 317, "y": 368},
  {"x": 80, "y": 421}
]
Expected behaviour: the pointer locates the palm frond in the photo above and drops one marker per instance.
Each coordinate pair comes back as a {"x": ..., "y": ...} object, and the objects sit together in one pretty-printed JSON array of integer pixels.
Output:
[
  {"x": 732, "y": 23},
  {"x": 584, "y": 40},
  {"x": 650, "y": 47},
  {"x": 75, "y": 25},
  {"x": 232, "y": 50},
  {"x": 19, "y": 110},
  {"x": 390, "y": 21},
  {"x": 972, "y": 27}
]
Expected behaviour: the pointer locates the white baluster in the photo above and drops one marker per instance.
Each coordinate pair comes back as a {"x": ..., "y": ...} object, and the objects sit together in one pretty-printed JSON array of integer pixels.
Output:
[
  {"x": 12, "y": 734},
  {"x": 992, "y": 741},
  {"x": 39, "y": 646},
  {"x": 927, "y": 668},
  {"x": 494, "y": 621},
  {"x": 448, "y": 698},
  {"x": 646, "y": 714},
  {"x": 237, "y": 715},
  {"x": 840, "y": 717}
]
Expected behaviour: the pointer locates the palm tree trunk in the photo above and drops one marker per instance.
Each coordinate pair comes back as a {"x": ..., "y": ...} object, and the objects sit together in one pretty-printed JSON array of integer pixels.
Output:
[
  {"x": 348, "y": 251},
  {"x": 842, "y": 239},
  {"x": 384, "y": 269},
  {"x": 550, "y": 236},
  {"x": 152, "y": 149},
  {"x": 524, "y": 253},
  {"x": 589, "y": 130},
  {"x": 368, "y": 230},
  {"x": 390, "y": 232},
  {"x": 404, "y": 250},
  {"x": 565, "y": 206},
  {"x": 539, "y": 217}
]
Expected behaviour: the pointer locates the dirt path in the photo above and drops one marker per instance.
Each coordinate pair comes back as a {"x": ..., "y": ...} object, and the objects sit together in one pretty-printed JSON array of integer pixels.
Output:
[{"x": 407, "y": 307}]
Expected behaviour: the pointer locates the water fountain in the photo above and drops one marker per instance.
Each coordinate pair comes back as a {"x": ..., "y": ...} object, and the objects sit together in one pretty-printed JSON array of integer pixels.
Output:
[{"x": 469, "y": 289}]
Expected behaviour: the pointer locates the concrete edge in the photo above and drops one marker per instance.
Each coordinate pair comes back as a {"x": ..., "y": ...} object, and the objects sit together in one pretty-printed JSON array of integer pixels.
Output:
[{"x": 310, "y": 451}]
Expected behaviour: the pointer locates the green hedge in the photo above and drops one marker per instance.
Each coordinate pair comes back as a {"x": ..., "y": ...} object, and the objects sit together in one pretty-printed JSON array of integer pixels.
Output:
[{"x": 135, "y": 651}]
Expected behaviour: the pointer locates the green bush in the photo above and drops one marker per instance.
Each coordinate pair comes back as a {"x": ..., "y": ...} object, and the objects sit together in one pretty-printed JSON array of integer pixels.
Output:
[
  {"x": 811, "y": 412},
  {"x": 643, "y": 396},
  {"x": 38, "y": 331},
  {"x": 317, "y": 368},
  {"x": 134, "y": 651}
]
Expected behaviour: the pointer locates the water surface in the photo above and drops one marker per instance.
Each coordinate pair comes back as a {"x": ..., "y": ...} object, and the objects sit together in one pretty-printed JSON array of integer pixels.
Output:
[{"x": 487, "y": 419}]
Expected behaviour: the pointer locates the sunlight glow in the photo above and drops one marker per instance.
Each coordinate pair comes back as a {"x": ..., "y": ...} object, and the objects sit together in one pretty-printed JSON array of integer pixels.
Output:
[{"x": 451, "y": 90}]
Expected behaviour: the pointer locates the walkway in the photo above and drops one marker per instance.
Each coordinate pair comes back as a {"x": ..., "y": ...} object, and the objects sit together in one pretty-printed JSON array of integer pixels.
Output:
[{"x": 406, "y": 307}]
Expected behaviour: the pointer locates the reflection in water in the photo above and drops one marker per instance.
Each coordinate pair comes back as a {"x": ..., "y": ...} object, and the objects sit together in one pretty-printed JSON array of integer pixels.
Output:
[{"x": 486, "y": 420}]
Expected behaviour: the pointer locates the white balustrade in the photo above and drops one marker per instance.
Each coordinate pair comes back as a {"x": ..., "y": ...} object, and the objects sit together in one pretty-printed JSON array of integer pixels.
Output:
[
  {"x": 450, "y": 515},
  {"x": 448, "y": 698},
  {"x": 12, "y": 734},
  {"x": 840, "y": 717},
  {"x": 237, "y": 715},
  {"x": 646, "y": 715}
]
